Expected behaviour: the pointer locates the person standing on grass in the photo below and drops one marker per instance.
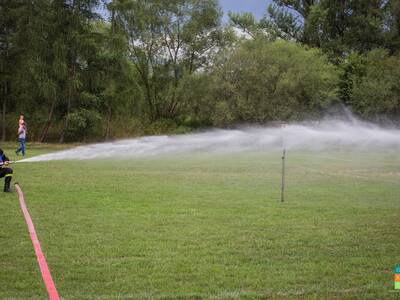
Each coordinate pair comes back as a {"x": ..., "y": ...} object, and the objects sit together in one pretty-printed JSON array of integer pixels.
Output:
[
  {"x": 5, "y": 171},
  {"x": 21, "y": 120},
  {"x": 21, "y": 138}
]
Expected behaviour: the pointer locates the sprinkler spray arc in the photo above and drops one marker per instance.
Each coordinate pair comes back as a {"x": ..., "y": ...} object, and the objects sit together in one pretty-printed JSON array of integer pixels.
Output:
[{"x": 313, "y": 136}]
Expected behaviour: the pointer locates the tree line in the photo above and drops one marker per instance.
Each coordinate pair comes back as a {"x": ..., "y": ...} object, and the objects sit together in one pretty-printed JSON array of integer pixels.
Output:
[{"x": 83, "y": 70}]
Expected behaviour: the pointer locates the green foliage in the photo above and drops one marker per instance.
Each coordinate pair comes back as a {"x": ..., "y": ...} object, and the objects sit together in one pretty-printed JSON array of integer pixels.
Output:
[
  {"x": 279, "y": 23},
  {"x": 167, "y": 40},
  {"x": 338, "y": 27},
  {"x": 161, "y": 126},
  {"x": 245, "y": 22},
  {"x": 196, "y": 92},
  {"x": 163, "y": 65},
  {"x": 83, "y": 123},
  {"x": 273, "y": 81},
  {"x": 377, "y": 91},
  {"x": 351, "y": 70}
]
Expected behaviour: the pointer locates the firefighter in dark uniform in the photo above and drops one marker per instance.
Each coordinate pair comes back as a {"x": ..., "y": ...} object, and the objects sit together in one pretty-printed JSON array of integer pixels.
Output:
[{"x": 5, "y": 171}]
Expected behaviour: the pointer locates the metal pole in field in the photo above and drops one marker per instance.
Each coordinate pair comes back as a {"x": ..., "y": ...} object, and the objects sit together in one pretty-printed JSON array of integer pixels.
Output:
[
  {"x": 283, "y": 176},
  {"x": 283, "y": 125}
]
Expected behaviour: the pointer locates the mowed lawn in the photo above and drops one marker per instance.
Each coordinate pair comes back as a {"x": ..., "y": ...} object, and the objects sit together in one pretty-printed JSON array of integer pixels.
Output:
[{"x": 206, "y": 227}]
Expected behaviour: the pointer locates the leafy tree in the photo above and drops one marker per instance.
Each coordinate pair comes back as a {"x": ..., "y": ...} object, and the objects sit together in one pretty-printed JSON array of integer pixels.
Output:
[
  {"x": 376, "y": 91},
  {"x": 392, "y": 26},
  {"x": 246, "y": 23},
  {"x": 198, "y": 99},
  {"x": 273, "y": 81},
  {"x": 114, "y": 73},
  {"x": 352, "y": 69},
  {"x": 40, "y": 63},
  {"x": 338, "y": 27},
  {"x": 168, "y": 40},
  {"x": 9, "y": 11},
  {"x": 55, "y": 45},
  {"x": 83, "y": 122},
  {"x": 80, "y": 42}
]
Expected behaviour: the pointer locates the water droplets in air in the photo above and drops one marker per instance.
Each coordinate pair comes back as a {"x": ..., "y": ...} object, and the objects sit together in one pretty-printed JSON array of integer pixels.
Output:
[{"x": 316, "y": 136}]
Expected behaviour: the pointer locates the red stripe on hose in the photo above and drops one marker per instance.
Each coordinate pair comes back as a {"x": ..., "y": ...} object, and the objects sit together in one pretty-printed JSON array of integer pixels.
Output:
[{"x": 44, "y": 269}]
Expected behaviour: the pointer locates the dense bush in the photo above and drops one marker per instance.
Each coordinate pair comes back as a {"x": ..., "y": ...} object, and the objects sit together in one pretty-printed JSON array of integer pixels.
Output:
[
  {"x": 83, "y": 123},
  {"x": 377, "y": 90},
  {"x": 264, "y": 81}
]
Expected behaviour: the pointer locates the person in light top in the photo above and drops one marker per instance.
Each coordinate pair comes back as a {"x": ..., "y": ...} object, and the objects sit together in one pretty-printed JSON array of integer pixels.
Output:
[
  {"x": 21, "y": 120},
  {"x": 21, "y": 138}
]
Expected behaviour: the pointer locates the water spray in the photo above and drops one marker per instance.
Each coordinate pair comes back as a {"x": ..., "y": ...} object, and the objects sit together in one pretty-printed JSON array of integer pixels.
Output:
[
  {"x": 311, "y": 136},
  {"x": 8, "y": 162}
]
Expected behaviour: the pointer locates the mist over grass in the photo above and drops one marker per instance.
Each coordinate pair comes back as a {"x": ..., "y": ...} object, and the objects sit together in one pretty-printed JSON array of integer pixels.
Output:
[{"x": 322, "y": 135}]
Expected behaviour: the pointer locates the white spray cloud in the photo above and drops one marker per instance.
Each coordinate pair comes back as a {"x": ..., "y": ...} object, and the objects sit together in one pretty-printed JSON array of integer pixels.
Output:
[{"x": 311, "y": 136}]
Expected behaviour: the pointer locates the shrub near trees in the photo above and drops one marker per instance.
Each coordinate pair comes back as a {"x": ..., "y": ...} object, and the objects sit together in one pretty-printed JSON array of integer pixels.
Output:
[
  {"x": 169, "y": 66},
  {"x": 264, "y": 81},
  {"x": 376, "y": 90}
]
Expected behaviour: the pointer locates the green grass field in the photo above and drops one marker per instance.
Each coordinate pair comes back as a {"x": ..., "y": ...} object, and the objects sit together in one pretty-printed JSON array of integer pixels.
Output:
[{"x": 206, "y": 227}]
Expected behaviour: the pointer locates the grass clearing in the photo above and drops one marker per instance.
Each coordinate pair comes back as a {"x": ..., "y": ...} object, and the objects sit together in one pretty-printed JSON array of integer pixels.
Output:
[{"x": 206, "y": 227}]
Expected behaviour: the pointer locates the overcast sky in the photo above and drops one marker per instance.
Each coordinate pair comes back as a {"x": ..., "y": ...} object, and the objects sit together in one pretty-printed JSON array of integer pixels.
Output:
[{"x": 257, "y": 7}]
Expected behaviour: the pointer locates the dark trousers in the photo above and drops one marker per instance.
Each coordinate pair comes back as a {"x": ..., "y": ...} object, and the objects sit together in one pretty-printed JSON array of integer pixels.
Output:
[{"x": 7, "y": 173}]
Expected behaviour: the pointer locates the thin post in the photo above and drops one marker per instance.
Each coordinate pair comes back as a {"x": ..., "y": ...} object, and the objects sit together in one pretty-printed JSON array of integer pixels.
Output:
[
  {"x": 283, "y": 176},
  {"x": 283, "y": 125}
]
